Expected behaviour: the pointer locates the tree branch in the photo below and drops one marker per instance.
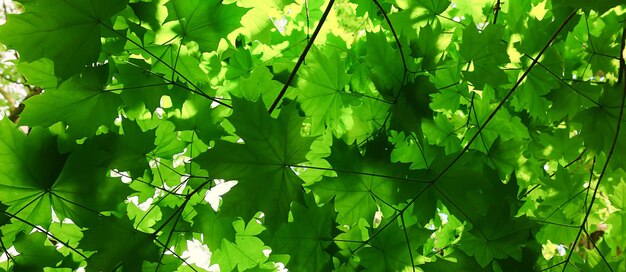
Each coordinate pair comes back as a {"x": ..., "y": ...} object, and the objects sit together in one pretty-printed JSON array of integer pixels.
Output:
[{"x": 302, "y": 56}]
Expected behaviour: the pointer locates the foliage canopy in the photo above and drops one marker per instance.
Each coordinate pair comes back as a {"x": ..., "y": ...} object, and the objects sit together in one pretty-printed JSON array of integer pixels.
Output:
[{"x": 378, "y": 135}]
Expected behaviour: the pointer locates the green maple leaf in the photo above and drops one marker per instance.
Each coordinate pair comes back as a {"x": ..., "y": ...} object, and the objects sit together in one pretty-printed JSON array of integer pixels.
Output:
[
  {"x": 599, "y": 6},
  {"x": 140, "y": 90},
  {"x": 364, "y": 183},
  {"x": 260, "y": 83},
  {"x": 174, "y": 61},
  {"x": 384, "y": 62},
  {"x": 321, "y": 89},
  {"x": 261, "y": 165},
  {"x": 74, "y": 186},
  {"x": 564, "y": 188},
  {"x": 412, "y": 106},
  {"x": 205, "y": 22},
  {"x": 35, "y": 254},
  {"x": 49, "y": 28},
  {"x": 307, "y": 238},
  {"x": 407, "y": 150},
  {"x": 503, "y": 156},
  {"x": 600, "y": 125},
  {"x": 435, "y": 7},
  {"x": 29, "y": 167},
  {"x": 128, "y": 91},
  {"x": 123, "y": 247},
  {"x": 239, "y": 64},
  {"x": 441, "y": 133},
  {"x": 486, "y": 52},
  {"x": 530, "y": 95},
  {"x": 503, "y": 125},
  {"x": 214, "y": 227},
  {"x": 617, "y": 220},
  {"x": 256, "y": 24},
  {"x": 246, "y": 251},
  {"x": 494, "y": 233},
  {"x": 388, "y": 250},
  {"x": 564, "y": 103},
  {"x": 198, "y": 115},
  {"x": 39, "y": 73},
  {"x": 82, "y": 102}
]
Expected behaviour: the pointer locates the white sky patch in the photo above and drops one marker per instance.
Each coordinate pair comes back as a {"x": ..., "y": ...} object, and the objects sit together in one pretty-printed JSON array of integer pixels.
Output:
[
  {"x": 159, "y": 112},
  {"x": 280, "y": 24},
  {"x": 267, "y": 252},
  {"x": 280, "y": 267},
  {"x": 55, "y": 218},
  {"x": 560, "y": 249},
  {"x": 154, "y": 163},
  {"x": 4, "y": 257},
  {"x": 443, "y": 217},
  {"x": 125, "y": 176},
  {"x": 378, "y": 217},
  {"x": 199, "y": 254},
  {"x": 181, "y": 186},
  {"x": 180, "y": 159},
  {"x": 214, "y": 195},
  {"x": 142, "y": 206}
]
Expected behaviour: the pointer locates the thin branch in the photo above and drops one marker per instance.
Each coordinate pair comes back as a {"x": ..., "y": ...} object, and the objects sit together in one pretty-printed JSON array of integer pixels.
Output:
[
  {"x": 507, "y": 96},
  {"x": 181, "y": 207},
  {"x": 553, "y": 174},
  {"x": 8, "y": 97},
  {"x": 478, "y": 228},
  {"x": 45, "y": 232},
  {"x": 167, "y": 242},
  {"x": 395, "y": 35},
  {"x": 302, "y": 56},
  {"x": 496, "y": 10},
  {"x": 360, "y": 173},
  {"x": 408, "y": 242},
  {"x": 565, "y": 22},
  {"x": 590, "y": 239},
  {"x": 564, "y": 82},
  {"x": 176, "y": 255},
  {"x": 168, "y": 66},
  {"x": 182, "y": 86},
  {"x": 622, "y": 62},
  {"x": 6, "y": 251},
  {"x": 552, "y": 266},
  {"x": 606, "y": 165}
]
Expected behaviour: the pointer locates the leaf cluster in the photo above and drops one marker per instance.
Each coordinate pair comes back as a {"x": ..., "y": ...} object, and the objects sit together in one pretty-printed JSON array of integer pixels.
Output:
[{"x": 348, "y": 135}]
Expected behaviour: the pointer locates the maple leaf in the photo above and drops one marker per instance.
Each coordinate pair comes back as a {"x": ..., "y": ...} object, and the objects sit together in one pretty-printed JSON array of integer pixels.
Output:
[
  {"x": 262, "y": 163},
  {"x": 81, "y": 101},
  {"x": 48, "y": 28},
  {"x": 416, "y": 135},
  {"x": 205, "y": 22},
  {"x": 307, "y": 238},
  {"x": 138, "y": 246},
  {"x": 364, "y": 183}
]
